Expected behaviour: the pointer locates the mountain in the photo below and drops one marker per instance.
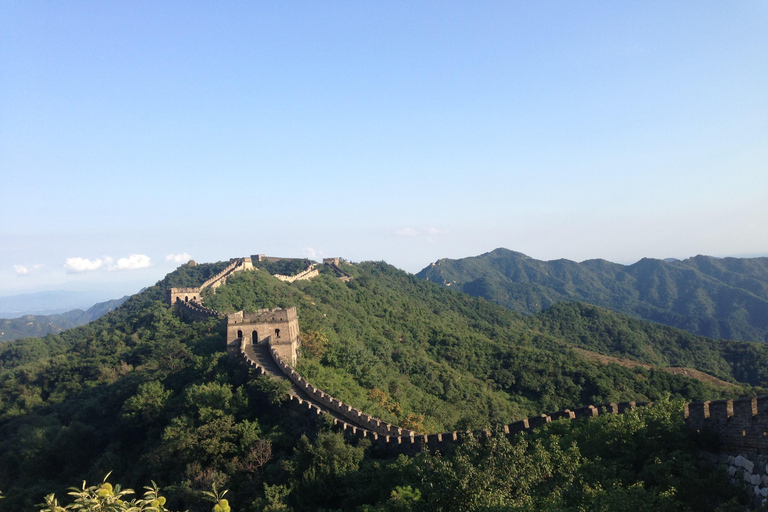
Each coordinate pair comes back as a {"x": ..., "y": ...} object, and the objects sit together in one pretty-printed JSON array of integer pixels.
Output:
[
  {"x": 41, "y": 325},
  {"x": 150, "y": 397},
  {"x": 721, "y": 298}
]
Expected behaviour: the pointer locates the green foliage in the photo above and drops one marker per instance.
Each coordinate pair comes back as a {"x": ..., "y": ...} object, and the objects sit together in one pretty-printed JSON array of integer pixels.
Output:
[
  {"x": 284, "y": 267},
  {"x": 716, "y": 297},
  {"x": 448, "y": 361},
  {"x": 106, "y": 498},
  {"x": 276, "y": 390},
  {"x": 153, "y": 397}
]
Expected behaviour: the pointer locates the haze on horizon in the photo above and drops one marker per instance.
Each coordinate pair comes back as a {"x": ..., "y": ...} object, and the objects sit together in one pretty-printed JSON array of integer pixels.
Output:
[{"x": 135, "y": 135}]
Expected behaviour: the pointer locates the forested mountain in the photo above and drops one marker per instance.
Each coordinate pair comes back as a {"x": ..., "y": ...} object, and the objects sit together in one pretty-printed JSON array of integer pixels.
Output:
[
  {"x": 40, "y": 325},
  {"x": 722, "y": 298},
  {"x": 143, "y": 394}
]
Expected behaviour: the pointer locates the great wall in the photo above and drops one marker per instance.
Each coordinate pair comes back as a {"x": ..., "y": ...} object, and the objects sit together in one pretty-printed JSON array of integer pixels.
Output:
[{"x": 268, "y": 341}]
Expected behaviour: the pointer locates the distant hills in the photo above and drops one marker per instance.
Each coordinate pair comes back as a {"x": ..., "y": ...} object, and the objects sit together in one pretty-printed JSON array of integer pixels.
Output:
[
  {"x": 721, "y": 298},
  {"x": 41, "y": 325},
  {"x": 50, "y": 302}
]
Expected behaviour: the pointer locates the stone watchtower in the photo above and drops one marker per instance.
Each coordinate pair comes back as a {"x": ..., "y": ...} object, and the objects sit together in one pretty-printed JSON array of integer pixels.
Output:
[{"x": 278, "y": 328}]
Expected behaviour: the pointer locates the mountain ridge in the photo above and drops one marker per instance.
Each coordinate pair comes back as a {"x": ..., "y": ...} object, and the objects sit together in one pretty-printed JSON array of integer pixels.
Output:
[{"x": 722, "y": 298}]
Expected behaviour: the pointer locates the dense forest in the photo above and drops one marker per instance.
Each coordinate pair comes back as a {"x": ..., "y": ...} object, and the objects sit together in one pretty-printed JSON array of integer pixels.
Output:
[
  {"x": 721, "y": 298},
  {"x": 148, "y": 397}
]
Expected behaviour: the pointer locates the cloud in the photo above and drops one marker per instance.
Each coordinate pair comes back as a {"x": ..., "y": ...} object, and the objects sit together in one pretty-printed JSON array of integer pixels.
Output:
[
  {"x": 21, "y": 270},
  {"x": 132, "y": 262},
  {"x": 409, "y": 232},
  {"x": 77, "y": 265},
  {"x": 309, "y": 253},
  {"x": 435, "y": 231},
  {"x": 178, "y": 258}
]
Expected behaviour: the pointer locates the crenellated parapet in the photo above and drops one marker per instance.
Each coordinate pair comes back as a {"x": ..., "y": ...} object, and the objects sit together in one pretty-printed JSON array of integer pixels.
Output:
[
  {"x": 279, "y": 328},
  {"x": 740, "y": 426},
  {"x": 196, "y": 312},
  {"x": 310, "y": 273}
]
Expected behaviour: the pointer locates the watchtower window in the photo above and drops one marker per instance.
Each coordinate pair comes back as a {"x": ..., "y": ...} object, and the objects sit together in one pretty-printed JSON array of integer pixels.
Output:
[
  {"x": 277, "y": 333},
  {"x": 255, "y": 337},
  {"x": 239, "y": 334},
  {"x": 186, "y": 298}
]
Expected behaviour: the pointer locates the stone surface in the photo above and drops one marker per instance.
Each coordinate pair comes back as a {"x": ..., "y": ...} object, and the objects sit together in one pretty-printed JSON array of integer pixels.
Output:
[{"x": 745, "y": 463}]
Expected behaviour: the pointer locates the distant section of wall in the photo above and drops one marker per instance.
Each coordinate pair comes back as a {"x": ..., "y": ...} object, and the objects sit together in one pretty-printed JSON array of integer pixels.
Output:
[
  {"x": 236, "y": 265},
  {"x": 271, "y": 259},
  {"x": 334, "y": 264},
  {"x": 196, "y": 312},
  {"x": 310, "y": 273},
  {"x": 175, "y": 295}
]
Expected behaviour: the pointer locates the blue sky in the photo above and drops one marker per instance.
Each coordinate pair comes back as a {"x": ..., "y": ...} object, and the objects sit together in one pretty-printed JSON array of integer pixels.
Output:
[{"x": 133, "y": 134}]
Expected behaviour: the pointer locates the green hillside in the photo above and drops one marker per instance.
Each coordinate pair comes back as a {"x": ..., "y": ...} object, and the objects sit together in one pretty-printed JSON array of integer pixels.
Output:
[
  {"x": 40, "y": 325},
  {"x": 143, "y": 394},
  {"x": 719, "y": 298}
]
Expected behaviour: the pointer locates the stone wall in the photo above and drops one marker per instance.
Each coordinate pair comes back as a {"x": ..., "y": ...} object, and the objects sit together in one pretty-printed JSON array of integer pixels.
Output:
[
  {"x": 195, "y": 312},
  {"x": 752, "y": 471},
  {"x": 236, "y": 265},
  {"x": 278, "y": 327},
  {"x": 740, "y": 426},
  {"x": 183, "y": 295},
  {"x": 271, "y": 259},
  {"x": 310, "y": 273},
  {"x": 388, "y": 433}
]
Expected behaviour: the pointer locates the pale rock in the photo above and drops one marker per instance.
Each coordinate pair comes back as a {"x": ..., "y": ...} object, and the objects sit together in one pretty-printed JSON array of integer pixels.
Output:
[
  {"x": 764, "y": 492},
  {"x": 731, "y": 459},
  {"x": 747, "y": 477},
  {"x": 755, "y": 480},
  {"x": 764, "y": 480},
  {"x": 732, "y": 470},
  {"x": 745, "y": 463},
  {"x": 757, "y": 491}
]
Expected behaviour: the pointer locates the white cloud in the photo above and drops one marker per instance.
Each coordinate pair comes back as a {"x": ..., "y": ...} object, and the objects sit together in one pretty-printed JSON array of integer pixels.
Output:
[
  {"x": 435, "y": 231},
  {"x": 132, "y": 262},
  {"x": 309, "y": 253},
  {"x": 22, "y": 270},
  {"x": 178, "y": 258},
  {"x": 409, "y": 232},
  {"x": 77, "y": 265}
]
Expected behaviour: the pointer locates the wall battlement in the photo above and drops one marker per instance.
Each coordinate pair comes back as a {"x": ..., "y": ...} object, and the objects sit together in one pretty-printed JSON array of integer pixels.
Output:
[
  {"x": 306, "y": 275},
  {"x": 740, "y": 426}
]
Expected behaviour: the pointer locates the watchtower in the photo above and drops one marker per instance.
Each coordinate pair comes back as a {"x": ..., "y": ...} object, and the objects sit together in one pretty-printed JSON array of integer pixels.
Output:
[{"x": 279, "y": 328}]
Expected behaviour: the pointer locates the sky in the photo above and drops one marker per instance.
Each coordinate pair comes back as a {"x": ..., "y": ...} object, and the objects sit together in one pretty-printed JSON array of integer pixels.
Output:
[{"x": 135, "y": 135}]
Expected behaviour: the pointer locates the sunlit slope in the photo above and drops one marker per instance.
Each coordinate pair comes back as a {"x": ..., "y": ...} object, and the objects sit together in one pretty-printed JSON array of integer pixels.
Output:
[
  {"x": 408, "y": 350},
  {"x": 718, "y": 298}
]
